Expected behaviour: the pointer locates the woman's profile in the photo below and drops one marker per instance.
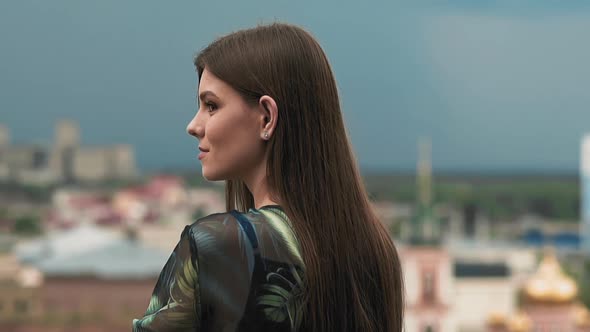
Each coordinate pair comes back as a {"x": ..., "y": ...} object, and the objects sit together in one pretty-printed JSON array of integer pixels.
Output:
[{"x": 299, "y": 248}]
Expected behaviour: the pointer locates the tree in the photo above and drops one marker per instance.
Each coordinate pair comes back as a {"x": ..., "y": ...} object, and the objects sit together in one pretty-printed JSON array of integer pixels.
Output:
[
  {"x": 198, "y": 214},
  {"x": 583, "y": 283},
  {"x": 27, "y": 225}
]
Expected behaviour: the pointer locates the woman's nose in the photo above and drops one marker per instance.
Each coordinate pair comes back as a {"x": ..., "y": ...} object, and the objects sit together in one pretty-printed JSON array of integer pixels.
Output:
[{"x": 196, "y": 128}]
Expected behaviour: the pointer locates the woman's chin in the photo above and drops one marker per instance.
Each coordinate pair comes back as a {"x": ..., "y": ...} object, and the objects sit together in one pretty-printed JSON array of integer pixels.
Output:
[
  {"x": 211, "y": 177},
  {"x": 206, "y": 177}
]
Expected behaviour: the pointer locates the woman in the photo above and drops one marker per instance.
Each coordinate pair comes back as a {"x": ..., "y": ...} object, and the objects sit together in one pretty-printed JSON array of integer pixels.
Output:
[{"x": 300, "y": 248}]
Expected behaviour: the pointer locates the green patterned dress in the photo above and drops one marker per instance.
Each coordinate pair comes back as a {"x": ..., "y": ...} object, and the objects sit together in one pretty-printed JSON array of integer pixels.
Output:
[{"x": 230, "y": 272}]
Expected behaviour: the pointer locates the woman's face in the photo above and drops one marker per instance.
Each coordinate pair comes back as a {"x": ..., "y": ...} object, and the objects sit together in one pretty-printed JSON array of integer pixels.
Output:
[{"x": 229, "y": 131}]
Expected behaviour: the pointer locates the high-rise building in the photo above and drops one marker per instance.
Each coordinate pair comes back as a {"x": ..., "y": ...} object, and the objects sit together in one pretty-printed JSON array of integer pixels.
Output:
[
  {"x": 66, "y": 160},
  {"x": 67, "y": 134},
  {"x": 4, "y": 137},
  {"x": 4, "y": 143},
  {"x": 585, "y": 191},
  {"x": 67, "y": 140},
  {"x": 98, "y": 163}
]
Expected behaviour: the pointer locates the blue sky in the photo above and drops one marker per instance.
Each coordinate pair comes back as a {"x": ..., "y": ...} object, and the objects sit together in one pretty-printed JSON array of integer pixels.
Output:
[{"x": 497, "y": 85}]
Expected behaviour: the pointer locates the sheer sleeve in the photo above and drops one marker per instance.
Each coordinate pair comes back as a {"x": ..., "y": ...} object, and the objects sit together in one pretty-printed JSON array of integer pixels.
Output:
[
  {"x": 175, "y": 302},
  {"x": 229, "y": 272}
]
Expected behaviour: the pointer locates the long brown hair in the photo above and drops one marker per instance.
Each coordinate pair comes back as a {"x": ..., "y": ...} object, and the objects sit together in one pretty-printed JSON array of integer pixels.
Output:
[{"x": 353, "y": 276}]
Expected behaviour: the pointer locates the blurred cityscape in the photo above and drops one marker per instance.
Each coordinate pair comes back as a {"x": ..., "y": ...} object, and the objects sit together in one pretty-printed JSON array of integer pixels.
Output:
[{"x": 84, "y": 236}]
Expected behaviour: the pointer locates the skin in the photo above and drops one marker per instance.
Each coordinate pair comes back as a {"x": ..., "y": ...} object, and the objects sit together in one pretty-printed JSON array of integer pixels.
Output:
[{"x": 232, "y": 131}]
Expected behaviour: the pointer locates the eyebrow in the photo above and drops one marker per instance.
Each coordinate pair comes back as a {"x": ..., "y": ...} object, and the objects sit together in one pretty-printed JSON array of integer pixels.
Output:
[{"x": 204, "y": 94}]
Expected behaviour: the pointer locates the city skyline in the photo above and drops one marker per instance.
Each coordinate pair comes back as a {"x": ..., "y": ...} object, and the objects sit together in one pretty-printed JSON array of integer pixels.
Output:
[
  {"x": 498, "y": 87},
  {"x": 46, "y": 142}
]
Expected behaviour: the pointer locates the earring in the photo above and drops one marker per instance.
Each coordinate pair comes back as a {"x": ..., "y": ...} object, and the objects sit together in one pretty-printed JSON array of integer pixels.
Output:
[{"x": 266, "y": 135}]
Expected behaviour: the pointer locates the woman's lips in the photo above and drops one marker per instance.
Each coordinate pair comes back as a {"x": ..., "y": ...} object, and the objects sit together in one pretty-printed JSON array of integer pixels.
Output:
[{"x": 203, "y": 152}]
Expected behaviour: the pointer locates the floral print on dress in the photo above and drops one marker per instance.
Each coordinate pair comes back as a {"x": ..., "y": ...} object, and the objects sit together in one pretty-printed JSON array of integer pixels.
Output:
[{"x": 230, "y": 272}]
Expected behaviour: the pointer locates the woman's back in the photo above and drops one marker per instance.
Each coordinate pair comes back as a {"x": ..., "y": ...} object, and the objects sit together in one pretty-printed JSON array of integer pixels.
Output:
[{"x": 231, "y": 272}]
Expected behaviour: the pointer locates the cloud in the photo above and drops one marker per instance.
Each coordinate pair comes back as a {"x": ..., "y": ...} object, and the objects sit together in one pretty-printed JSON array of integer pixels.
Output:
[
  {"x": 516, "y": 87},
  {"x": 519, "y": 8}
]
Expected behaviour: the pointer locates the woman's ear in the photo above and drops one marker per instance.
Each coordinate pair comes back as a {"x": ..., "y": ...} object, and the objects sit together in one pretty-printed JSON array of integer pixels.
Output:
[{"x": 269, "y": 116}]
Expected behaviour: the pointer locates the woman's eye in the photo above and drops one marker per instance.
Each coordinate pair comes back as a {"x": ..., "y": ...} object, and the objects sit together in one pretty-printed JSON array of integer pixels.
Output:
[{"x": 210, "y": 106}]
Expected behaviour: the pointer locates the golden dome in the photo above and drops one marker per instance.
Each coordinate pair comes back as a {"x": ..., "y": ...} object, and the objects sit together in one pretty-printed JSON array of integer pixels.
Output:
[
  {"x": 550, "y": 284},
  {"x": 496, "y": 319},
  {"x": 582, "y": 316},
  {"x": 520, "y": 323}
]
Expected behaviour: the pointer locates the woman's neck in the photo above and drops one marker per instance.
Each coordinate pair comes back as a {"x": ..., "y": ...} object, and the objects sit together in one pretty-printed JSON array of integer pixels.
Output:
[{"x": 258, "y": 186}]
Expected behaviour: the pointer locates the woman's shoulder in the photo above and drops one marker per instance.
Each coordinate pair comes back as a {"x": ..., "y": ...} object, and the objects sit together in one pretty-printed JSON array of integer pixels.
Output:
[
  {"x": 266, "y": 218},
  {"x": 267, "y": 228}
]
